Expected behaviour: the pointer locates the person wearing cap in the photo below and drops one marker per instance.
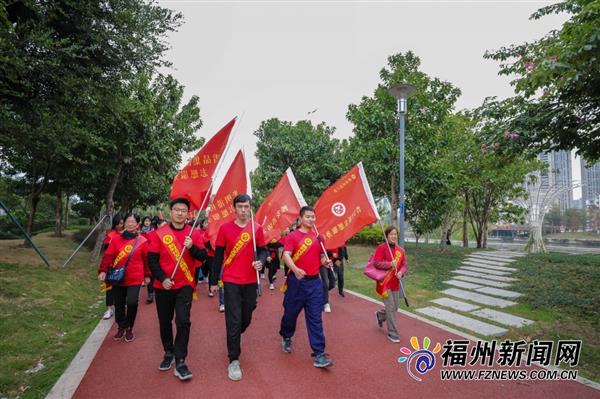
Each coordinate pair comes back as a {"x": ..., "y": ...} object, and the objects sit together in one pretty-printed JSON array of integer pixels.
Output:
[
  {"x": 173, "y": 293},
  {"x": 234, "y": 255}
]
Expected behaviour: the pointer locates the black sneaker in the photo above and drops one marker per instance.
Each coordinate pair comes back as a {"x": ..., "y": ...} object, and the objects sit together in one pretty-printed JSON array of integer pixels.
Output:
[
  {"x": 167, "y": 362},
  {"x": 181, "y": 370},
  {"x": 150, "y": 298},
  {"x": 286, "y": 345}
]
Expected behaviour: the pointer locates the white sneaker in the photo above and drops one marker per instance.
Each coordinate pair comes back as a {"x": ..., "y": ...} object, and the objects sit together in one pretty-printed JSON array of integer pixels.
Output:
[
  {"x": 234, "y": 371},
  {"x": 327, "y": 308},
  {"x": 271, "y": 286},
  {"x": 221, "y": 308},
  {"x": 108, "y": 314}
]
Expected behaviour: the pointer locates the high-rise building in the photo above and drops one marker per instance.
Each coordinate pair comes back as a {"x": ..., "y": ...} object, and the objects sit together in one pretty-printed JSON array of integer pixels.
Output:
[
  {"x": 558, "y": 174},
  {"x": 590, "y": 184}
]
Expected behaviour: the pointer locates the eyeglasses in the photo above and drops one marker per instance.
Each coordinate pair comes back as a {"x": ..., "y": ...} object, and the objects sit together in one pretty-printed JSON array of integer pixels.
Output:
[{"x": 179, "y": 210}]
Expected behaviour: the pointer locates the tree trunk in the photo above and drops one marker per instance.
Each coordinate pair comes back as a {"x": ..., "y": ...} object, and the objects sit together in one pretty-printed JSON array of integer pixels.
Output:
[
  {"x": 485, "y": 234},
  {"x": 109, "y": 211},
  {"x": 465, "y": 238},
  {"x": 444, "y": 233},
  {"x": 35, "y": 199},
  {"x": 66, "y": 211},
  {"x": 58, "y": 213}
]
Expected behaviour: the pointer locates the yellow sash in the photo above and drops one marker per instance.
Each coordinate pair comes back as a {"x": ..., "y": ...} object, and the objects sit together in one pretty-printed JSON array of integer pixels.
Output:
[{"x": 174, "y": 249}]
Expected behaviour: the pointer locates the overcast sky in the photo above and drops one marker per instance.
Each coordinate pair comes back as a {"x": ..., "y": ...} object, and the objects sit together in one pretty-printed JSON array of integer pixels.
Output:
[{"x": 264, "y": 59}]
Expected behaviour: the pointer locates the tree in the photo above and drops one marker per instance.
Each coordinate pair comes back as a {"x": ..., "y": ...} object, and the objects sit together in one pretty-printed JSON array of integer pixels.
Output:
[
  {"x": 557, "y": 83},
  {"x": 553, "y": 219},
  {"x": 61, "y": 59},
  {"x": 496, "y": 175},
  {"x": 375, "y": 141},
  {"x": 311, "y": 152},
  {"x": 143, "y": 143}
]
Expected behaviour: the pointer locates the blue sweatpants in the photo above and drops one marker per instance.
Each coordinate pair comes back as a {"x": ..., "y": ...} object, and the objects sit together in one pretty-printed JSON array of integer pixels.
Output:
[{"x": 307, "y": 295}]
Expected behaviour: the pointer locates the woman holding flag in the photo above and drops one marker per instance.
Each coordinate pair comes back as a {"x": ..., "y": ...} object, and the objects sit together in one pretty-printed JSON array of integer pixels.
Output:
[
  {"x": 390, "y": 256},
  {"x": 129, "y": 250}
]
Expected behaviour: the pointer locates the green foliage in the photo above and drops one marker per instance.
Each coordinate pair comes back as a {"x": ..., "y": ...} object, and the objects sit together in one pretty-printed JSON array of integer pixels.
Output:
[
  {"x": 311, "y": 152},
  {"x": 375, "y": 141},
  {"x": 368, "y": 236},
  {"x": 557, "y": 79}
]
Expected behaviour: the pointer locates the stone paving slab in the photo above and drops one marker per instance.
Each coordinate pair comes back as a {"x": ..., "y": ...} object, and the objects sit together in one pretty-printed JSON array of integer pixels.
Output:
[
  {"x": 454, "y": 304},
  {"x": 465, "y": 272},
  {"x": 463, "y": 284},
  {"x": 486, "y": 261},
  {"x": 486, "y": 271},
  {"x": 502, "y": 318},
  {"x": 478, "y": 298},
  {"x": 456, "y": 319},
  {"x": 486, "y": 266},
  {"x": 483, "y": 281},
  {"x": 499, "y": 292},
  {"x": 492, "y": 257}
]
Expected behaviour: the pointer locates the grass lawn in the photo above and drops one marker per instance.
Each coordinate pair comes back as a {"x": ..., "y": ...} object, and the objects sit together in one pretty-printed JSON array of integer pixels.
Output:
[
  {"x": 561, "y": 293},
  {"x": 574, "y": 236},
  {"x": 46, "y": 314}
]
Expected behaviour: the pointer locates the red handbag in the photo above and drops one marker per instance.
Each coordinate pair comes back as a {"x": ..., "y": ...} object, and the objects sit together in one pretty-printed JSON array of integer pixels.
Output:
[{"x": 374, "y": 273}]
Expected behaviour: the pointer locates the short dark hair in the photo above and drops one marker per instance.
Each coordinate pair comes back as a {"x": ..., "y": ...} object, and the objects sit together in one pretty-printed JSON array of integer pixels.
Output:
[
  {"x": 241, "y": 198},
  {"x": 131, "y": 214},
  {"x": 117, "y": 218},
  {"x": 180, "y": 200},
  {"x": 388, "y": 230},
  {"x": 306, "y": 208}
]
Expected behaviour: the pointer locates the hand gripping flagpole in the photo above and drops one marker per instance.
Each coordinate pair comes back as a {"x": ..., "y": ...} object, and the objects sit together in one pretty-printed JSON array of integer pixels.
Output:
[
  {"x": 392, "y": 257},
  {"x": 206, "y": 196},
  {"x": 322, "y": 247}
]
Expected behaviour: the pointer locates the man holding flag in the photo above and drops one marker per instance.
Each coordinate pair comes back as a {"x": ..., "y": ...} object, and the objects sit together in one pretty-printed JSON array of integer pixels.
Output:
[
  {"x": 174, "y": 287},
  {"x": 303, "y": 254},
  {"x": 239, "y": 253}
]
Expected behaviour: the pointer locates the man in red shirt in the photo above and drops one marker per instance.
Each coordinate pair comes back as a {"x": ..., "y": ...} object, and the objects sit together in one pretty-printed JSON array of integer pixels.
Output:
[
  {"x": 173, "y": 294},
  {"x": 303, "y": 254},
  {"x": 234, "y": 254}
]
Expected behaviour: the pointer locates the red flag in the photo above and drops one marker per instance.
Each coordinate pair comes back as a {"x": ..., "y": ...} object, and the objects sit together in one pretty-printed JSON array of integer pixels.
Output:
[
  {"x": 193, "y": 181},
  {"x": 281, "y": 207},
  {"x": 234, "y": 183},
  {"x": 345, "y": 208}
]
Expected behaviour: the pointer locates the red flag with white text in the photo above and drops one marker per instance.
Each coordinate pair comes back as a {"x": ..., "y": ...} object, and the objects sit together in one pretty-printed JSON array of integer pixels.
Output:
[
  {"x": 281, "y": 207},
  {"x": 235, "y": 182},
  {"x": 345, "y": 207},
  {"x": 193, "y": 181}
]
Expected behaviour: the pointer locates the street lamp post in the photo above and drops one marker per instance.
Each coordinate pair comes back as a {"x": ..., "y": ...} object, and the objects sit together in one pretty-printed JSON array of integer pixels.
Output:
[{"x": 401, "y": 91}]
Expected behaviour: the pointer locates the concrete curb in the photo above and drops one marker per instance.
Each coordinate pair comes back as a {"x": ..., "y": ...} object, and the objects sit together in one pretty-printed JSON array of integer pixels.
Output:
[
  {"x": 69, "y": 381},
  {"x": 592, "y": 384}
]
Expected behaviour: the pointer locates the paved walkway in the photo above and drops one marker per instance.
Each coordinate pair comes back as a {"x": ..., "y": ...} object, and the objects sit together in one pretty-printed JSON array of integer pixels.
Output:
[
  {"x": 366, "y": 363},
  {"x": 479, "y": 288}
]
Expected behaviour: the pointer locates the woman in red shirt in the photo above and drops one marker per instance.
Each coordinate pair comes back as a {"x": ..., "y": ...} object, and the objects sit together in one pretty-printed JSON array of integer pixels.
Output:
[
  {"x": 390, "y": 256},
  {"x": 130, "y": 249}
]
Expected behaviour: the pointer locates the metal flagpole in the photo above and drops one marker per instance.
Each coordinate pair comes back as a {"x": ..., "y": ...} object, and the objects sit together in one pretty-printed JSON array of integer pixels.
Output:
[
  {"x": 255, "y": 253},
  {"x": 84, "y": 240},
  {"x": 322, "y": 246},
  {"x": 27, "y": 237},
  {"x": 392, "y": 256}
]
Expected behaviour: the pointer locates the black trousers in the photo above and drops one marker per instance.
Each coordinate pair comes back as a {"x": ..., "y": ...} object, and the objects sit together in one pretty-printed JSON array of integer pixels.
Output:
[
  {"x": 179, "y": 303},
  {"x": 273, "y": 266},
  {"x": 151, "y": 286},
  {"x": 109, "y": 298},
  {"x": 339, "y": 270},
  {"x": 126, "y": 304},
  {"x": 240, "y": 302},
  {"x": 328, "y": 282}
]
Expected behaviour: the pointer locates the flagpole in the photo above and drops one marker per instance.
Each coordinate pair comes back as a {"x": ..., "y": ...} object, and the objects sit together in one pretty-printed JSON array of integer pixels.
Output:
[
  {"x": 212, "y": 181},
  {"x": 322, "y": 246},
  {"x": 392, "y": 257},
  {"x": 84, "y": 240},
  {"x": 258, "y": 286}
]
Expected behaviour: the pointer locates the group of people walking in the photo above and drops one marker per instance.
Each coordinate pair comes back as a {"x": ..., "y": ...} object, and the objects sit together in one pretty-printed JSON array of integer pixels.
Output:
[{"x": 170, "y": 258}]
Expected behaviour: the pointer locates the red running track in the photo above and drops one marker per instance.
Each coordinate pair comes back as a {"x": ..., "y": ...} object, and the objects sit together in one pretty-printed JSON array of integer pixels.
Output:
[{"x": 366, "y": 363}]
